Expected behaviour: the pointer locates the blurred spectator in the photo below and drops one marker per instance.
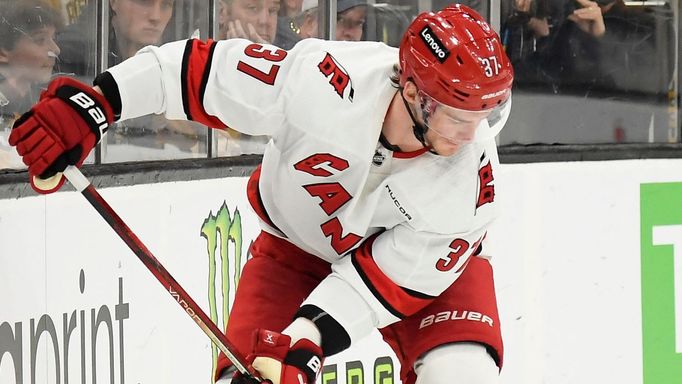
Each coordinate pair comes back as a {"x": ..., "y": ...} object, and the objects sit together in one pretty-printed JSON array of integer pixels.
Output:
[
  {"x": 28, "y": 53},
  {"x": 573, "y": 60},
  {"x": 524, "y": 25},
  {"x": 350, "y": 21},
  {"x": 610, "y": 64},
  {"x": 582, "y": 46},
  {"x": 134, "y": 25},
  {"x": 255, "y": 20},
  {"x": 637, "y": 48},
  {"x": 553, "y": 43}
]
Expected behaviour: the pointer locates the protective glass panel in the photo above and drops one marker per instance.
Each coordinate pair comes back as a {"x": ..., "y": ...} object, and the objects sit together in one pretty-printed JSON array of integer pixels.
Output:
[
  {"x": 386, "y": 21},
  {"x": 133, "y": 25},
  {"x": 592, "y": 71},
  {"x": 29, "y": 55},
  {"x": 262, "y": 21}
]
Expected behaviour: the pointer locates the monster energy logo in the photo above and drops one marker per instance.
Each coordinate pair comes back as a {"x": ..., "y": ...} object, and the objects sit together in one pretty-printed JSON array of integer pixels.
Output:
[
  {"x": 661, "y": 259},
  {"x": 222, "y": 230}
]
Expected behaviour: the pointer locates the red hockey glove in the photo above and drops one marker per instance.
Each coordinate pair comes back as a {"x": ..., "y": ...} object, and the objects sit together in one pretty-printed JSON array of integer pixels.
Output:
[
  {"x": 61, "y": 129},
  {"x": 279, "y": 363}
]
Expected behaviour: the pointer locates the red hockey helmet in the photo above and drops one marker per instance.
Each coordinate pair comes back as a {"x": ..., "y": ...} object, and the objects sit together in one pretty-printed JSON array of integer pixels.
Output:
[{"x": 456, "y": 58}]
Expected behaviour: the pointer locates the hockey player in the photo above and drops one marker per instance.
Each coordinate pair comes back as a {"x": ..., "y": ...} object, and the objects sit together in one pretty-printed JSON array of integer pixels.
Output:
[{"x": 375, "y": 192}]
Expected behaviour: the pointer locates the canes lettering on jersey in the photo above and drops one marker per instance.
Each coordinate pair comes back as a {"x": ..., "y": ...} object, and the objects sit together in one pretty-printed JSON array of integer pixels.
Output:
[{"x": 332, "y": 195}]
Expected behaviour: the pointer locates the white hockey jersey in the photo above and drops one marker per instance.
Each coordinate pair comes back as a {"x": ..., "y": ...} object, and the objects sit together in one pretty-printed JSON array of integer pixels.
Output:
[{"x": 398, "y": 227}]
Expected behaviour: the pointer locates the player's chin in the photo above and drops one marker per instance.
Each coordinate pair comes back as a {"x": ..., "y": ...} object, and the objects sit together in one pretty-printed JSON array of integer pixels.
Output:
[{"x": 446, "y": 148}]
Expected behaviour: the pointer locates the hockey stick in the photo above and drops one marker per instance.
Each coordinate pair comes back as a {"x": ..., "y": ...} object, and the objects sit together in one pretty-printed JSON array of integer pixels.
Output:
[{"x": 83, "y": 185}]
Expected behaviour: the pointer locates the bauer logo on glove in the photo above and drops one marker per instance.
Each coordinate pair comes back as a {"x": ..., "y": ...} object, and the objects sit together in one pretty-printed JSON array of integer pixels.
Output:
[{"x": 86, "y": 103}]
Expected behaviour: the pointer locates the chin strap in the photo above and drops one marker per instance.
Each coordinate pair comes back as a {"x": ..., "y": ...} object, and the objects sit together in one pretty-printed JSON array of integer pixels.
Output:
[
  {"x": 391, "y": 147},
  {"x": 418, "y": 128}
]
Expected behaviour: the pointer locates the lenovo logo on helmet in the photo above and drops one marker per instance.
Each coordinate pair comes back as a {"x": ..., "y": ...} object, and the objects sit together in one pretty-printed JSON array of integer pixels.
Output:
[{"x": 434, "y": 44}]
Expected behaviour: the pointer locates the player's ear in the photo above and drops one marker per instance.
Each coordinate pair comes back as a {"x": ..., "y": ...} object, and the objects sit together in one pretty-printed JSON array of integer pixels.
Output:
[{"x": 410, "y": 92}]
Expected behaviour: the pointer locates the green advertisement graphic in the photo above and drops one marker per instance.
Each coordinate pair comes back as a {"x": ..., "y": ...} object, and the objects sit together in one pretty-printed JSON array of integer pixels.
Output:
[
  {"x": 222, "y": 230},
  {"x": 661, "y": 259}
]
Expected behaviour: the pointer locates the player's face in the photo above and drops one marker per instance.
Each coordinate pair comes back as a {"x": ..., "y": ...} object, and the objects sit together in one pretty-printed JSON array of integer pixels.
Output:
[
  {"x": 141, "y": 22},
  {"x": 451, "y": 128},
  {"x": 349, "y": 23},
  {"x": 261, "y": 14},
  {"x": 32, "y": 57}
]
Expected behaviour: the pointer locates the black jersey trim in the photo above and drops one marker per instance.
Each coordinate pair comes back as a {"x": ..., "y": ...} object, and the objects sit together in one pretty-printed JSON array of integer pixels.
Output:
[
  {"x": 207, "y": 72},
  {"x": 373, "y": 289},
  {"x": 106, "y": 82},
  {"x": 183, "y": 77}
]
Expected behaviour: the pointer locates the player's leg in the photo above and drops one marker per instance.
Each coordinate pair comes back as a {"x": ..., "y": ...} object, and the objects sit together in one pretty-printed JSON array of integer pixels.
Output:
[
  {"x": 273, "y": 284},
  {"x": 466, "y": 363},
  {"x": 457, "y": 338}
]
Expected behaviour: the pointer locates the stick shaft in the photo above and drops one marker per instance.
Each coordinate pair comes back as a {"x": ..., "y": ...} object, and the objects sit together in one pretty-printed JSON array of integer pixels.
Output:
[{"x": 164, "y": 277}]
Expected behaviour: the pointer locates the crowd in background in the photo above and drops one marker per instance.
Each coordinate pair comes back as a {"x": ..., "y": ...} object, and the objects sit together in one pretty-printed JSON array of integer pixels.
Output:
[{"x": 608, "y": 65}]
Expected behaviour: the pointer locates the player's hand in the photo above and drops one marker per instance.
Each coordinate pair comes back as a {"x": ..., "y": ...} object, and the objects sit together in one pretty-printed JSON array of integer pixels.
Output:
[
  {"x": 61, "y": 129},
  {"x": 277, "y": 361}
]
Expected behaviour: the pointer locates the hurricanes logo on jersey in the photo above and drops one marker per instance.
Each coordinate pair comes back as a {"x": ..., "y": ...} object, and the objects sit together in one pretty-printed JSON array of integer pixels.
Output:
[
  {"x": 486, "y": 192},
  {"x": 338, "y": 77}
]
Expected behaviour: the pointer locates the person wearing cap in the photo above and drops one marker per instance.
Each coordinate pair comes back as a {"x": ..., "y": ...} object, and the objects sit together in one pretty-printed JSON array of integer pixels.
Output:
[{"x": 350, "y": 21}]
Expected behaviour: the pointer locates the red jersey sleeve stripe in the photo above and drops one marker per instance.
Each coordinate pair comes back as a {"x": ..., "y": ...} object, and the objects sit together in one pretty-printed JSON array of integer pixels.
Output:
[
  {"x": 401, "y": 302},
  {"x": 196, "y": 67}
]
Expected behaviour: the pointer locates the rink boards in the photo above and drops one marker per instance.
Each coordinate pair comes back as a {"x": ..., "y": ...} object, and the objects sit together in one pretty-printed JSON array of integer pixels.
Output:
[{"x": 588, "y": 261}]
